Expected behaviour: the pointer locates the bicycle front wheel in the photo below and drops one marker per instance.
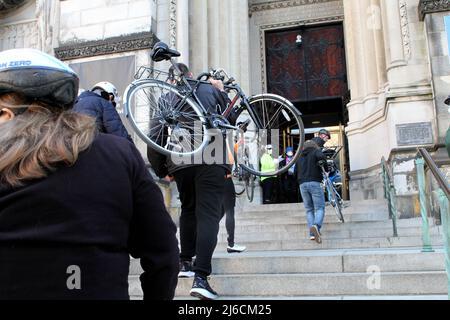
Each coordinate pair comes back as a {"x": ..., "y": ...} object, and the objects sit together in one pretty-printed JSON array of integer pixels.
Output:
[
  {"x": 250, "y": 186},
  {"x": 335, "y": 201},
  {"x": 165, "y": 118},
  {"x": 269, "y": 120}
]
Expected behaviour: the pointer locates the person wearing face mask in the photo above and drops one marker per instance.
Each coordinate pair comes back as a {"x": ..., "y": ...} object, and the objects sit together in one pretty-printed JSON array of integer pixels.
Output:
[
  {"x": 288, "y": 179},
  {"x": 268, "y": 164}
]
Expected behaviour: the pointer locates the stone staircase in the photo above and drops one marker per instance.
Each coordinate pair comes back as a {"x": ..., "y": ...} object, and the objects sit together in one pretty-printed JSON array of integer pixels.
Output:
[{"x": 357, "y": 260}]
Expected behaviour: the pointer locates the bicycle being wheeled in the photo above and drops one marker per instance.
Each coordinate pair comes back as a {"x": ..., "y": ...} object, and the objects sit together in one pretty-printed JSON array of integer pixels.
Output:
[
  {"x": 170, "y": 118},
  {"x": 330, "y": 184}
]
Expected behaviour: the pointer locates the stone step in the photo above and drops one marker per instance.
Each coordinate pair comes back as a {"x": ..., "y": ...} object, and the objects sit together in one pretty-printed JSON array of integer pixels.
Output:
[
  {"x": 301, "y": 213},
  {"x": 327, "y": 243},
  {"x": 299, "y": 226},
  {"x": 351, "y": 206},
  {"x": 322, "y": 261},
  {"x": 334, "y": 284},
  {"x": 303, "y": 233},
  {"x": 330, "y": 217}
]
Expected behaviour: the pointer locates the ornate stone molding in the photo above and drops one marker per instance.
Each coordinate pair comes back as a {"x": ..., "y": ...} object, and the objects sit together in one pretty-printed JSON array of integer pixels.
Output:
[
  {"x": 404, "y": 23},
  {"x": 7, "y": 6},
  {"x": 173, "y": 23},
  {"x": 138, "y": 41},
  {"x": 431, "y": 6},
  {"x": 19, "y": 35},
  {"x": 281, "y": 26},
  {"x": 282, "y": 4}
]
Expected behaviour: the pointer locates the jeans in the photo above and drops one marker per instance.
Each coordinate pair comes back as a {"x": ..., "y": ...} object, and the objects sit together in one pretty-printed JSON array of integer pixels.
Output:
[{"x": 314, "y": 201}]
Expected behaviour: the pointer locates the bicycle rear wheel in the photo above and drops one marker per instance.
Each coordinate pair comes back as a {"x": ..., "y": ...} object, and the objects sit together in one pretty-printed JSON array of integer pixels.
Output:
[
  {"x": 164, "y": 118},
  {"x": 270, "y": 119}
]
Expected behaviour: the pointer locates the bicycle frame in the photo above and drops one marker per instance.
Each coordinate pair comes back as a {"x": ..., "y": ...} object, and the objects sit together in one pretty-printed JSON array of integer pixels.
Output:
[{"x": 231, "y": 87}]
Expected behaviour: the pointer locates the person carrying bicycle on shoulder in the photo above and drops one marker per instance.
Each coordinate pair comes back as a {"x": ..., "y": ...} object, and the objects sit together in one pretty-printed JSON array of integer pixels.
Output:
[
  {"x": 201, "y": 187},
  {"x": 309, "y": 176}
]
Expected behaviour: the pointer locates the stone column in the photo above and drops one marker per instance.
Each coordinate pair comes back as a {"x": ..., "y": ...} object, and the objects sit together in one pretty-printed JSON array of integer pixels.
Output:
[
  {"x": 393, "y": 27},
  {"x": 183, "y": 29},
  {"x": 198, "y": 35},
  {"x": 379, "y": 45},
  {"x": 243, "y": 22},
  {"x": 235, "y": 29},
  {"x": 367, "y": 28},
  {"x": 223, "y": 24},
  {"x": 215, "y": 47},
  {"x": 350, "y": 36},
  {"x": 47, "y": 14},
  {"x": 357, "y": 63}
]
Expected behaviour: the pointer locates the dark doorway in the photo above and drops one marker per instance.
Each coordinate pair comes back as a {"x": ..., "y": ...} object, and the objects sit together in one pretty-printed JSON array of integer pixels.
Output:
[
  {"x": 307, "y": 66},
  {"x": 310, "y": 70}
]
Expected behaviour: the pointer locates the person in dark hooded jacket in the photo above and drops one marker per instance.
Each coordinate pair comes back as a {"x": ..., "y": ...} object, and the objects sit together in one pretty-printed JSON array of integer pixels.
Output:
[
  {"x": 201, "y": 187},
  {"x": 309, "y": 176},
  {"x": 100, "y": 104}
]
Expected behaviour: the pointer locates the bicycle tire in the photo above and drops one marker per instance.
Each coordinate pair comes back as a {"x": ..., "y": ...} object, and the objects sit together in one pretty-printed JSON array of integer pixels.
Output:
[
  {"x": 335, "y": 201},
  {"x": 164, "y": 118},
  {"x": 250, "y": 186},
  {"x": 272, "y": 113},
  {"x": 239, "y": 186}
]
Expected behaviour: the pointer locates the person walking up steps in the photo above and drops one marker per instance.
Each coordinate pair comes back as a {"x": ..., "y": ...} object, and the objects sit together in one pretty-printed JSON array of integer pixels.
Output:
[
  {"x": 229, "y": 203},
  {"x": 201, "y": 188},
  {"x": 309, "y": 177}
]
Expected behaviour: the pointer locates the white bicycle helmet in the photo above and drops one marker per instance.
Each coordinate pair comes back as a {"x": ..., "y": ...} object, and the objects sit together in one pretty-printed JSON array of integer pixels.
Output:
[
  {"x": 38, "y": 76},
  {"x": 107, "y": 87}
]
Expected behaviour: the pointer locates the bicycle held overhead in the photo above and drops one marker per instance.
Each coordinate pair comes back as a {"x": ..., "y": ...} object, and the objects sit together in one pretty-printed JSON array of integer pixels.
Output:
[{"x": 169, "y": 117}]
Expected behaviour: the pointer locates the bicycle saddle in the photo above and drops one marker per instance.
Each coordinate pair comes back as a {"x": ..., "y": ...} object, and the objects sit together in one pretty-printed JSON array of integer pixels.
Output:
[{"x": 162, "y": 52}]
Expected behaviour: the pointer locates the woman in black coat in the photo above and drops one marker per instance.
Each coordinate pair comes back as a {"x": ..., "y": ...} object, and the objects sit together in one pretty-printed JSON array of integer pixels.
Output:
[{"x": 74, "y": 203}]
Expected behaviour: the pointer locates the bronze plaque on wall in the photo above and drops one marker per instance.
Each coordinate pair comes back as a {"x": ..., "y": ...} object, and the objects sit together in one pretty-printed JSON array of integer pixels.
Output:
[{"x": 414, "y": 134}]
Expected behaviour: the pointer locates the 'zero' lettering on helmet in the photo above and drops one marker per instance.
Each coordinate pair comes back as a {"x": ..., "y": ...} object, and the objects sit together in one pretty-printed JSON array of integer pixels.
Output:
[{"x": 19, "y": 63}]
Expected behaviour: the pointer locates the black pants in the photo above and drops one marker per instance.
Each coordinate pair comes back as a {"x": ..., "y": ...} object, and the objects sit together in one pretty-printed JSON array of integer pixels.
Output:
[
  {"x": 289, "y": 189},
  {"x": 201, "y": 194},
  {"x": 268, "y": 188},
  {"x": 229, "y": 202}
]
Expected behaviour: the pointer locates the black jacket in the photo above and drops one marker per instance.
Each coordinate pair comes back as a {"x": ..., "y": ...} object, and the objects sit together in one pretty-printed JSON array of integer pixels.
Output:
[
  {"x": 106, "y": 116},
  {"x": 93, "y": 215},
  {"x": 307, "y": 168},
  {"x": 214, "y": 101}
]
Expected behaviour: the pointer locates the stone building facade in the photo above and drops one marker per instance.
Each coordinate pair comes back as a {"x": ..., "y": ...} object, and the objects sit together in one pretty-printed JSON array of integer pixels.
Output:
[{"x": 396, "y": 55}]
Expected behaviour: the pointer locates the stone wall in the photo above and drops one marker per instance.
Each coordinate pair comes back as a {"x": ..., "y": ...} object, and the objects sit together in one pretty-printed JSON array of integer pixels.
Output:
[
  {"x": 101, "y": 19},
  {"x": 18, "y": 28}
]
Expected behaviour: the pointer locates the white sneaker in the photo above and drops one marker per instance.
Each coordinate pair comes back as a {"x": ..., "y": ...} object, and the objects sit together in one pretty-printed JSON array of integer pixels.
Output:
[{"x": 236, "y": 248}]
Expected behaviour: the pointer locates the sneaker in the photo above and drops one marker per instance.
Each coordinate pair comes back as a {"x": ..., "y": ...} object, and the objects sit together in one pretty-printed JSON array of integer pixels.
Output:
[
  {"x": 236, "y": 249},
  {"x": 186, "y": 269},
  {"x": 202, "y": 290},
  {"x": 312, "y": 238},
  {"x": 315, "y": 231}
]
